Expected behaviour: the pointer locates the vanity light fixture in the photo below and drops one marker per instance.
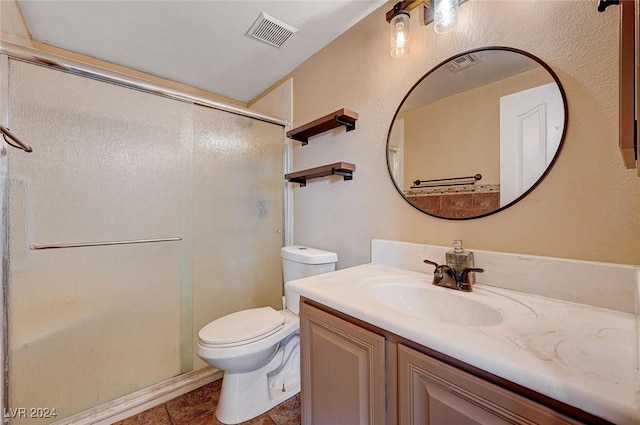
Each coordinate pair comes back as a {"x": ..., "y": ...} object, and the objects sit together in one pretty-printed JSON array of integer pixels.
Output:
[
  {"x": 445, "y": 15},
  {"x": 398, "y": 18},
  {"x": 400, "y": 34},
  {"x": 443, "y": 12}
]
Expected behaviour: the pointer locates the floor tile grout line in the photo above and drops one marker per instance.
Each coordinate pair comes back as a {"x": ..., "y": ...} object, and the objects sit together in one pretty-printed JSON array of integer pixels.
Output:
[
  {"x": 168, "y": 414},
  {"x": 193, "y": 420}
]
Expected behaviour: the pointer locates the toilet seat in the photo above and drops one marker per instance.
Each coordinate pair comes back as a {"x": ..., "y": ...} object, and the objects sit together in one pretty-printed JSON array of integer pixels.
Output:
[{"x": 241, "y": 328}]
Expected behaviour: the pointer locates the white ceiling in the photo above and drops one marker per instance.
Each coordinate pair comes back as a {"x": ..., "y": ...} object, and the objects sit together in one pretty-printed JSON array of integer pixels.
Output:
[{"x": 199, "y": 43}]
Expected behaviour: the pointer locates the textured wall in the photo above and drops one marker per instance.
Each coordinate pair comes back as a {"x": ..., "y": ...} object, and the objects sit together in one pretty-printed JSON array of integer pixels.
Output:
[
  {"x": 11, "y": 21},
  {"x": 587, "y": 207}
]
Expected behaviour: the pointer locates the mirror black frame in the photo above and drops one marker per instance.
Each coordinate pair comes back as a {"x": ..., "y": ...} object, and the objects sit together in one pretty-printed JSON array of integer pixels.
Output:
[{"x": 547, "y": 170}]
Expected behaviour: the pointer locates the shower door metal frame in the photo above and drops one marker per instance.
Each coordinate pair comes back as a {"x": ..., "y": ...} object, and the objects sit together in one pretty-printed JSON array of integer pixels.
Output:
[
  {"x": 4, "y": 236},
  {"x": 86, "y": 70},
  {"x": 12, "y": 51}
]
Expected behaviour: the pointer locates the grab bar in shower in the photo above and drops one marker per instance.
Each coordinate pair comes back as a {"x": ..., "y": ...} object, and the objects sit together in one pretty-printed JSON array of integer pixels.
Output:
[
  {"x": 16, "y": 143},
  {"x": 85, "y": 244}
]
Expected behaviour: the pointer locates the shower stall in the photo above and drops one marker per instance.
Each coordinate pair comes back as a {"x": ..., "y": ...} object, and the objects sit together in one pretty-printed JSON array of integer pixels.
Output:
[{"x": 140, "y": 216}]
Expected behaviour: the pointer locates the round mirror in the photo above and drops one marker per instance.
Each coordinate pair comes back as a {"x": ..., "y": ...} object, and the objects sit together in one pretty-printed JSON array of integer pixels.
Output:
[{"x": 477, "y": 133}]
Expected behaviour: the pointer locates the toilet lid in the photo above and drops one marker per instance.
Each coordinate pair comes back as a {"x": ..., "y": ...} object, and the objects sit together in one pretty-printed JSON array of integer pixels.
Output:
[{"x": 241, "y": 326}]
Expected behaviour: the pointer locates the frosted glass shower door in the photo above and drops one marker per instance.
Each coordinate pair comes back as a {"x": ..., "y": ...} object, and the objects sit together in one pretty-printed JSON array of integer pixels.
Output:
[
  {"x": 238, "y": 214},
  {"x": 90, "y": 324}
]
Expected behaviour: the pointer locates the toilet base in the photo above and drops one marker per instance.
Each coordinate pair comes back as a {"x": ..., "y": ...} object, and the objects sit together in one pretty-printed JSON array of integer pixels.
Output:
[{"x": 244, "y": 396}]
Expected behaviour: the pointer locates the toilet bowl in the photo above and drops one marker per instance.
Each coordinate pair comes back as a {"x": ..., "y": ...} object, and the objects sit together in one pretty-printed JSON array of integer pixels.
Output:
[
  {"x": 259, "y": 349},
  {"x": 256, "y": 377}
]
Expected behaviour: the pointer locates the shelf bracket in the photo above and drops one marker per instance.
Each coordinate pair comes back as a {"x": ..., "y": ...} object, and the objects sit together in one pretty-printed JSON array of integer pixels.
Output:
[
  {"x": 347, "y": 175},
  {"x": 302, "y": 139},
  {"x": 301, "y": 181},
  {"x": 350, "y": 125}
]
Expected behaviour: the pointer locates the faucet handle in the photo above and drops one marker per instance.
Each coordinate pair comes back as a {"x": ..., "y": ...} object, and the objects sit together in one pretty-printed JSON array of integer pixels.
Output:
[
  {"x": 440, "y": 270},
  {"x": 444, "y": 275},
  {"x": 433, "y": 263},
  {"x": 464, "y": 276}
]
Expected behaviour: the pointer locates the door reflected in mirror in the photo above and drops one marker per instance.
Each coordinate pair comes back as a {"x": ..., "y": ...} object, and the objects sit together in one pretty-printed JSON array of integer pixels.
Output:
[{"x": 477, "y": 133}]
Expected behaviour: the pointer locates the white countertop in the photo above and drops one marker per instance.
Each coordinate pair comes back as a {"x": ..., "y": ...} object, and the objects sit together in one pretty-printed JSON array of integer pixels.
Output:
[{"x": 581, "y": 355}]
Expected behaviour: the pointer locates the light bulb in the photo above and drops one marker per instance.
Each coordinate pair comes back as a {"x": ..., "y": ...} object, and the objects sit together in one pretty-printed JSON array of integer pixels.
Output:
[
  {"x": 445, "y": 15},
  {"x": 399, "y": 34},
  {"x": 400, "y": 40}
]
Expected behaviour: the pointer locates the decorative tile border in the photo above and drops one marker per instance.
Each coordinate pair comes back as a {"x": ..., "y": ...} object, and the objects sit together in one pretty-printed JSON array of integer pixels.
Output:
[
  {"x": 469, "y": 188},
  {"x": 457, "y": 205}
]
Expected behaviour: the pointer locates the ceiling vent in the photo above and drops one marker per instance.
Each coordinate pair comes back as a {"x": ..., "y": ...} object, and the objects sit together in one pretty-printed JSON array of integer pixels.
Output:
[
  {"x": 462, "y": 62},
  {"x": 270, "y": 30}
]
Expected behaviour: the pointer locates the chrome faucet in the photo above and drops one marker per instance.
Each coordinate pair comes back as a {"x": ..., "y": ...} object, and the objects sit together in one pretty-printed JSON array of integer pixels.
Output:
[{"x": 444, "y": 275}]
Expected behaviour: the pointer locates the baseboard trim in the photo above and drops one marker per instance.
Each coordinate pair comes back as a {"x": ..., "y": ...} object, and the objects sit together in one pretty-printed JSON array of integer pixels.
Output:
[{"x": 142, "y": 400}]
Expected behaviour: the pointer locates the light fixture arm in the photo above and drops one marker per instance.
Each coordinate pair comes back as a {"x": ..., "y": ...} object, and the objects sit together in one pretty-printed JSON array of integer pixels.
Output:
[
  {"x": 406, "y": 5},
  {"x": 444, "y": 14}
]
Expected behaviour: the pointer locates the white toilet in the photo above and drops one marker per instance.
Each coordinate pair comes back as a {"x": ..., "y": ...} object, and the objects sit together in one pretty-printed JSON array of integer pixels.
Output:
[{"x": 259, "y": 349}]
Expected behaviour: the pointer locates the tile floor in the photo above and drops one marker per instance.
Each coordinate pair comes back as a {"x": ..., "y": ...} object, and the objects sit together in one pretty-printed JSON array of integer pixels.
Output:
[{"x": 198, "y": 408}]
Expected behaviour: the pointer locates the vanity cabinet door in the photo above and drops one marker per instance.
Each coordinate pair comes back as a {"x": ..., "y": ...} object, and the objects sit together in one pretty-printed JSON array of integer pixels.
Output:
[
  {"x": 431, "y": 392},
  {"x": 343, "y": 371}
]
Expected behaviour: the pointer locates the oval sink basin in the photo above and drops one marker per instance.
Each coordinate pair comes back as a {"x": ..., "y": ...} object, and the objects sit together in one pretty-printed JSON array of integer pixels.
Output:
[{"x": 444, "y": 305}]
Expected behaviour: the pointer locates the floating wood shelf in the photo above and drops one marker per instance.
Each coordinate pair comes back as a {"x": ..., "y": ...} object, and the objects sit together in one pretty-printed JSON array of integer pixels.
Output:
[
  {"x": 335, "y": 119},
  {"x": 343, "y": 169}
]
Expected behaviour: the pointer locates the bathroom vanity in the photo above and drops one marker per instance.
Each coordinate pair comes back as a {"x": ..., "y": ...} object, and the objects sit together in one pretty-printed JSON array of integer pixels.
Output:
[
  {"x": 381, "y": 345},
  {"x": 358, "y": 375}
]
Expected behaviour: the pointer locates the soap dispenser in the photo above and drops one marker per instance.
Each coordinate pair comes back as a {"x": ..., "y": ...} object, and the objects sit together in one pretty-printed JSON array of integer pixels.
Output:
[{"x": 459, "y": 259}]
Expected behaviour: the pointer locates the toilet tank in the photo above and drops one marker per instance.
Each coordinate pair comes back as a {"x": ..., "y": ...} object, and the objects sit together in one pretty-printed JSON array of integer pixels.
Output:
[{"x": 301, "y": 261}]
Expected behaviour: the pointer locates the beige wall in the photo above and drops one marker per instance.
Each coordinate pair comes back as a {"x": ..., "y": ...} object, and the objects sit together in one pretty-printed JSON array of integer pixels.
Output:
[
  {"x": 11, "y": 20},
  {"x": 588, "y": 207},
  {"x": 460, "y": 135}
]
